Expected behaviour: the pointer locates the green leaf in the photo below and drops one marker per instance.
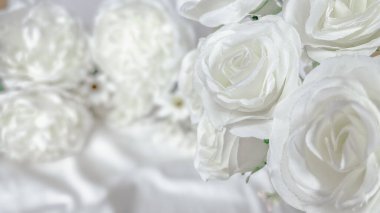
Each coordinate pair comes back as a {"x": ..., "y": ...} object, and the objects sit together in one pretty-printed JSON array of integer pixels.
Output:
[
  {"x": 254, "y": 18},
  {"x": 266, "y": 141}
]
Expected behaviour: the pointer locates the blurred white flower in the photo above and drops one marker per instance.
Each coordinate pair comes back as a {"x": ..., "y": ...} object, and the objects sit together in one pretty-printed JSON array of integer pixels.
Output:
[
  {"x": 42, "y": 43},
  {"x": 127, "y": 105},
  {"x": 213, "y": 13},
  {"x": 139, "y": 45},
  {"x": 172, "y": 107},
  {"x": 42, "y": 124},
  {"x": 178, "y": 136},
  {"x": 330, "y": 28},
  {"x": 97, "y": 90}
]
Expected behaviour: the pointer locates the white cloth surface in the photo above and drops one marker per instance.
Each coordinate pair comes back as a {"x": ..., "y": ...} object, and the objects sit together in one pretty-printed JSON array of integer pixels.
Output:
[
  {"x": 126, "y": 174},
  {"x": 119, "y": 173}
]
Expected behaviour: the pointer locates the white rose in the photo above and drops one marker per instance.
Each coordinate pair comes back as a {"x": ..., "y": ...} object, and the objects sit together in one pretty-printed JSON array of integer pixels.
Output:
[
  {"x": 325, "y": 145},
  {"x": 331, "y": 28},
  {"x": 213, "y": 13},
  {"x": 42, "y": 43},
  {"x": 42, "y": 124},
  {"x": 186, "y": 87},
  {"x": 244, "y": 70},
  {"x": 139, "y": 45},
  {"x": 221, "y": 154}
]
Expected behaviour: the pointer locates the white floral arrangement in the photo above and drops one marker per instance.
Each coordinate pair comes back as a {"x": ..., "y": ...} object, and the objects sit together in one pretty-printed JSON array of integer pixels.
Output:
[
  {"x": 41, "y": 43},
  {"x": 138, "y": 46},
  {"x": 291, "y": 86},
  {"x": 42, "y": 124},
  {"x": 43, "y": 57},
  {"x": 295, "y": 91},
  {"x": 56, "y": 79}
]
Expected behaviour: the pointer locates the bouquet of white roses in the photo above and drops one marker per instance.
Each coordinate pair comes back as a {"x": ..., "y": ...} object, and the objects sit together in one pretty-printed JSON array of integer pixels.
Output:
[
  {"x": 292, "y": 86},
  {"x": 289, "y": 85}
]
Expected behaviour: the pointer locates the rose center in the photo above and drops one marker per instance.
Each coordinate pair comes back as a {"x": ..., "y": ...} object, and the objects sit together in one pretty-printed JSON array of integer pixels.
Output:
[
  {"x": 238, "y": 66},
  {"x": 340, "y": 137}
]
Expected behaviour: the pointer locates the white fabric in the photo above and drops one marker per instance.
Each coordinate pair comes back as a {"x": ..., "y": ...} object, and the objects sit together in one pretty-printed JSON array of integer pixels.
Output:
[{"x": 127, "y": 174}]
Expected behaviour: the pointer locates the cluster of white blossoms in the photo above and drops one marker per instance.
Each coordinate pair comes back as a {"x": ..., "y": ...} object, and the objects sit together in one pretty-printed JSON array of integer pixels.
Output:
[
  {"x": 43, "y": 57},
  {"x": 295, "y": 92},
  {"x": 139, "y": 45},
  {"x": 42, "y": 124},
  {"x": 137, "y": 48},
  {"x": 42, "y": 43}
]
